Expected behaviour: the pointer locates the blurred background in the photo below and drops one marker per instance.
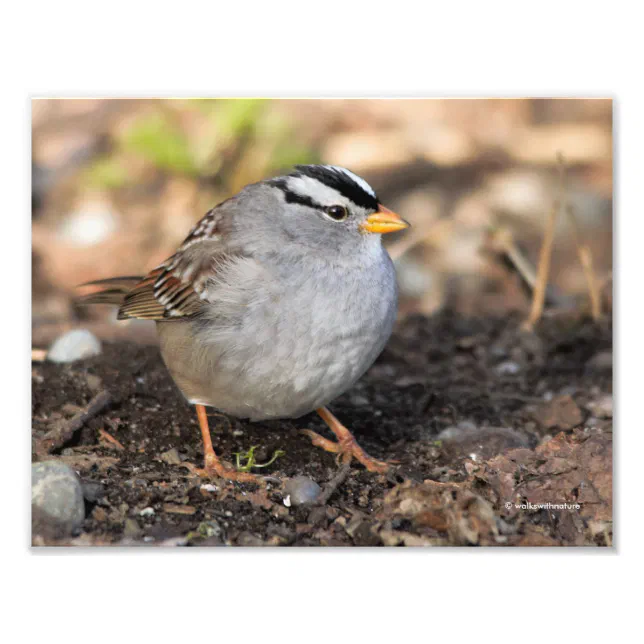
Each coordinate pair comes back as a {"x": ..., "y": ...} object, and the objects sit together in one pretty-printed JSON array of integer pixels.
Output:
[{"x": 117, "y": 185}]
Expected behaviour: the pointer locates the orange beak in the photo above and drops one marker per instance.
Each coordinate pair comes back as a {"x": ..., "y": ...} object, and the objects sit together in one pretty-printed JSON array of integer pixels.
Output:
[{"x": 383, "y": 221}]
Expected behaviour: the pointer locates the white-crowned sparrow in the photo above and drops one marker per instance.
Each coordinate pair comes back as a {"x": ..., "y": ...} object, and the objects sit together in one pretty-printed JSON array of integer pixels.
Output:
[{"x": 279, "y": 299}]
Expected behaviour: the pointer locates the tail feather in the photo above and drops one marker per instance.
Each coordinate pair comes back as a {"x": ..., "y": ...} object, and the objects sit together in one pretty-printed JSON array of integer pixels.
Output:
[
  {"x": 126, "y": 281},
  {"x": 120, "y": 287}
]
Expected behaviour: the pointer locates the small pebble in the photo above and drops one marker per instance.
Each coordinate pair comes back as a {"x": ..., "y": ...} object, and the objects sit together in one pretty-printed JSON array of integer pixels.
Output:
[
  {"x": 171, "y": 457},
  {"x": 57, "y": 506},
  {"x": 74, "y": 345},
  {"x": 508, "y": 368},
  {"x": 301, "y": 490}
]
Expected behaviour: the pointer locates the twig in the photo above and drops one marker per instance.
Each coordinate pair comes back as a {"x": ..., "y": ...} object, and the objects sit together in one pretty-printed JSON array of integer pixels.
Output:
[
  {"x": 334, "y": 484},
  {"x": 64, "y": 432},
  {"x": 502, "y": 241},
  {"x": 110, "y": 439},
  {"x": 543, "y": 269},
  {"x": 586, "y": 260}
]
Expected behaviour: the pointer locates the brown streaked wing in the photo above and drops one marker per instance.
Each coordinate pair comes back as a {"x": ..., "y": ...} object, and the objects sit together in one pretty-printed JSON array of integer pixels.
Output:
[{"x": 174, "y": 289}]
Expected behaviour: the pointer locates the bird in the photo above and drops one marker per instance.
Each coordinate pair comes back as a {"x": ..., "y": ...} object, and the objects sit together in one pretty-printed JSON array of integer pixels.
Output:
[{"x": 277, "y": 302}]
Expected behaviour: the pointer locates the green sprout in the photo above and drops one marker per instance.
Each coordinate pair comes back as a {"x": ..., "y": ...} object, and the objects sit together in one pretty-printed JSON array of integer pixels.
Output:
[
  {"x": 249, "y": 457},
  {"x": 162, "y": 143}
]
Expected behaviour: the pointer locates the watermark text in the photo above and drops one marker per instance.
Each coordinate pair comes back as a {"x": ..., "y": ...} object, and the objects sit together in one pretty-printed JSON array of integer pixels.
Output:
[{"x": 542, "y": 506}]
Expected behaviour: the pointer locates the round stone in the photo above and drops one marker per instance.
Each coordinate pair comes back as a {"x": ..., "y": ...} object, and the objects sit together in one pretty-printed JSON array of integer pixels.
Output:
[
  {"x": 57, "y": 506},
  {"x": 74, "y": 345},
  {"x": 300, "y": 490}
]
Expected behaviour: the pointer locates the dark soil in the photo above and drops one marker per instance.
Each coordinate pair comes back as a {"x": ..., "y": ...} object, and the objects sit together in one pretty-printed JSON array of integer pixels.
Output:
[{"x": 521, "y": 418}]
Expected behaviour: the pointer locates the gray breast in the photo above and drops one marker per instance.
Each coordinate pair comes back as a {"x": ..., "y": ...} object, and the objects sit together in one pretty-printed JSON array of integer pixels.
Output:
[{"x": 279, "y": 346}]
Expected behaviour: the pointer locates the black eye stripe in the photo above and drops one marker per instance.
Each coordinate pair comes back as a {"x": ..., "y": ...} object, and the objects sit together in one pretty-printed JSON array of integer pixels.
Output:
[
  {"x": 330, "y": 177},
  {"x": 338, "y": 181},
  {"x": 294, "y": 197}
]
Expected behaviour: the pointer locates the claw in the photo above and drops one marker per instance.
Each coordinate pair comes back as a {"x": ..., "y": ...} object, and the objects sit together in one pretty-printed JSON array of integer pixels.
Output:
[
  {"x": 347, "y": 449},
  {"x": 211, "y": 471}
]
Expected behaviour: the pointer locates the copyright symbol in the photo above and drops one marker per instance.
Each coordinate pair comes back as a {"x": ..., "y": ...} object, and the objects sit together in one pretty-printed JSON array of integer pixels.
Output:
[{"x": 508, "y": 505}]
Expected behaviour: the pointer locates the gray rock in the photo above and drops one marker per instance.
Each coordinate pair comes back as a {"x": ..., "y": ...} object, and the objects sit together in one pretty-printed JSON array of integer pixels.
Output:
[
  {"x": 74, "y": 345},
  {"x": 57, "y": 506},
  {"x": 301, "y": 490}
]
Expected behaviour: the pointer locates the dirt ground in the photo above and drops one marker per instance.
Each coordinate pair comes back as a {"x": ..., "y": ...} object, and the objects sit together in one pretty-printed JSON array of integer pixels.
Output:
[{"x": 485, "y": 424}]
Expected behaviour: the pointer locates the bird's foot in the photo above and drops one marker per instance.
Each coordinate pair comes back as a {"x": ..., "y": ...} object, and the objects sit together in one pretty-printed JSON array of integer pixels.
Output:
[
  {"x": 214, "y": 468},
  {"x": 347, "y": 448}
]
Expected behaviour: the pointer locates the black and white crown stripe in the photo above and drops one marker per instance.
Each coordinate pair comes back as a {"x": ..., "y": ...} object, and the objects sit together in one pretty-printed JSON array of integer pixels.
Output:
[{"x": 302, "y": 186}]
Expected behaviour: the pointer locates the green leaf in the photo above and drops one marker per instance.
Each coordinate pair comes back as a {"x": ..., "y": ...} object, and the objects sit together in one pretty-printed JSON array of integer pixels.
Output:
[
  {"x": 161, "y": 143},
  {"x": 237, "y": 116}
]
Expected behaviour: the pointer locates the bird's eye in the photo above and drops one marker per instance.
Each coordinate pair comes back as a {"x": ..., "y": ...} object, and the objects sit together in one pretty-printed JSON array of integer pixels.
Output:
[{"x": 337, "y": 213}]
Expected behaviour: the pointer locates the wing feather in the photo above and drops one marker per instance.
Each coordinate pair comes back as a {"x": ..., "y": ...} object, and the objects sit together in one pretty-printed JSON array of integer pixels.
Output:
[{"x": 177, "y": 288}]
